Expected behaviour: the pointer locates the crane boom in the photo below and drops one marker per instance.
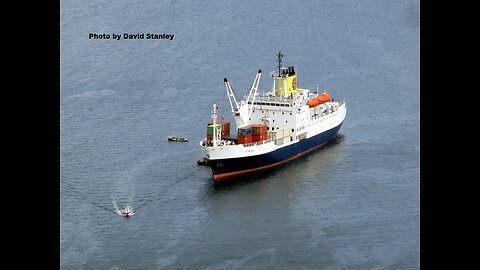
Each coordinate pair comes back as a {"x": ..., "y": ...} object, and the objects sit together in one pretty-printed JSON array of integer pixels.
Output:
[
  {"x": 253, "y": 91},
  {"x": 242, "y": 110},
  {"x": 231, "y": 96}
]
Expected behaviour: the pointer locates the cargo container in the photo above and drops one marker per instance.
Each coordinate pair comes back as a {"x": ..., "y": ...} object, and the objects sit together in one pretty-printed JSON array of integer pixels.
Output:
[
  {"x": 259, "y": 129},
  {"x": 246, "y": 139},
  {"x": 225, "y": 128},
  {"x": 287, "y": 132},
  {"x": 277, "y": 134},
  {"x": 245, "y": 131},
  {"x": 259, "y": 138},
  {"x": 218, "y": 129}
]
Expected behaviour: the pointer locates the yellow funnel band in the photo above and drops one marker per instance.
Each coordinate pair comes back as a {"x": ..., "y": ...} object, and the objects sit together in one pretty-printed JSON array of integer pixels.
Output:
[{"x": 291, "y": 84}]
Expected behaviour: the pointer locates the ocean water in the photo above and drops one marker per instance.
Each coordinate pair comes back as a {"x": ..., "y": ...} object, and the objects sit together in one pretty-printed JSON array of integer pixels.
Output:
[{"x": 354, "y": 204}]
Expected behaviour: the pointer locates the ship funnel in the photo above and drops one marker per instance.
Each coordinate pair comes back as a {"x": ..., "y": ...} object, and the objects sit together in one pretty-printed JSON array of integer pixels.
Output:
[
  {"x": 291, "y": 71},
  {"x": 287, "y": 86}
]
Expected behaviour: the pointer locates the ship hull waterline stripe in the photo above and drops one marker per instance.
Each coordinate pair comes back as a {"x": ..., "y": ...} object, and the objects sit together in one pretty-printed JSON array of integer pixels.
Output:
[{"x": 230, "y": 175}]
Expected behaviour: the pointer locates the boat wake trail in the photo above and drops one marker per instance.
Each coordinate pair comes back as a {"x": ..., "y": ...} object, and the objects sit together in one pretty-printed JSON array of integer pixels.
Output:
[
  {"x": 122, "y": 197},
  {"x": 116, "y": 208},
  {"x": 70, "y": 189},
  {"x": 154, "y": 197}
]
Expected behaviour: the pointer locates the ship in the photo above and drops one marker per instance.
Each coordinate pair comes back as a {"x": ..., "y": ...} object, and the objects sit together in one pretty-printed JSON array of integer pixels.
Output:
[{"x": 273, "y": 127}]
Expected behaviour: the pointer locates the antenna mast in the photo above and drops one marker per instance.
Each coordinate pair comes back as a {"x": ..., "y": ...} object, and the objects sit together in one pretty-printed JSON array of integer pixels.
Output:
[
  {"x": 279, "y": 59},
  {"x": 214, "y": 116}
]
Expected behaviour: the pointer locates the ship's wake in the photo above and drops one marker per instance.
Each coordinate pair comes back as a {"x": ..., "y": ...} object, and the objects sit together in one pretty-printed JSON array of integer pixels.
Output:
[
  {"x": 117, "y": 210},
  {"x": 74, "y": 192},
  {"x": 125, "y": 198}
]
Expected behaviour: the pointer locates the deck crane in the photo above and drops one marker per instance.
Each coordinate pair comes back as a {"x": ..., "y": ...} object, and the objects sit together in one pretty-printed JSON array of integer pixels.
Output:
[{"x": 242, "y": 110}]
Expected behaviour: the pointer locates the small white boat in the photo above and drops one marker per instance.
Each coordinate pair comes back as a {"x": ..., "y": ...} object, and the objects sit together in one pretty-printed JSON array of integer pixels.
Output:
[{"x": 127, "y": 212}]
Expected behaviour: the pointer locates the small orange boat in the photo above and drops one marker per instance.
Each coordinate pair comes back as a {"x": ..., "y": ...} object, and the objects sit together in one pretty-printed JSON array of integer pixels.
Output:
[{"x": 322, "y": 98}]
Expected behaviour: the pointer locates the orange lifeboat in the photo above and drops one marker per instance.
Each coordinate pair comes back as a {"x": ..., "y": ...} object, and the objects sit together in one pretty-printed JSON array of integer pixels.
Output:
[
  {"x": 324, "y": 97},
  {"x": 312, "y": 103}
]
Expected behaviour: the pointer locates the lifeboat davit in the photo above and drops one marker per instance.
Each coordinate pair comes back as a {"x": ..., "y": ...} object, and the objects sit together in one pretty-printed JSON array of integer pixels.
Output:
[{"x": 322, "y": 98}]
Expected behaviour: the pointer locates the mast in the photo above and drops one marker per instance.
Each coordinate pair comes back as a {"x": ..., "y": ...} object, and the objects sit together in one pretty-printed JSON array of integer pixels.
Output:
[
  {"x": 214, "y": 116},
  {"x": 279, "y": 59}
]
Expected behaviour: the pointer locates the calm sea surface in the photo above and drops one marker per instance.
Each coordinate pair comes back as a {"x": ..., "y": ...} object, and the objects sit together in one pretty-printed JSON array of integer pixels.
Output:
[{"x": 353, "y": 204}]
